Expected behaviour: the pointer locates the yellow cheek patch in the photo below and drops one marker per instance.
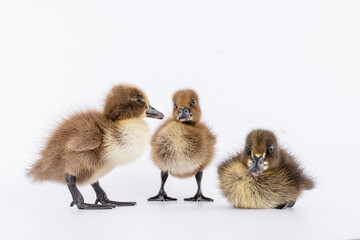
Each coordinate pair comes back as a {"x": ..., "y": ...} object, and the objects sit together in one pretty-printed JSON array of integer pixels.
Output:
[
  {"x": 249, "y": 162},
  {"x": 144, "y": 114},
  {"x": 266, "y": 165}
]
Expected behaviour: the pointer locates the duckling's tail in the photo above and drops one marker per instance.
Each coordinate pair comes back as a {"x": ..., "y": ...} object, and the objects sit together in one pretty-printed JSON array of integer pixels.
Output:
[
  {"x": 308, "y": 183},
  {"x": 35, "y": 172},
  {"x": 45, "y": 170}
]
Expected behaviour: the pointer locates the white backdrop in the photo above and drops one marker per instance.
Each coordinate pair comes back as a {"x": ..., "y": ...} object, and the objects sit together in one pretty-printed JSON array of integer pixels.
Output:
[{"x": 289, "y": 66}]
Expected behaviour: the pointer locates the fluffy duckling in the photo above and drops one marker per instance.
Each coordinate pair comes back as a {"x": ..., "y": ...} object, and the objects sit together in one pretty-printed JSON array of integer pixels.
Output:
[
  {"x": 89, "y": 144},
  {"x": 262, "y": 176},
  {"x": 183, "y": 146}
]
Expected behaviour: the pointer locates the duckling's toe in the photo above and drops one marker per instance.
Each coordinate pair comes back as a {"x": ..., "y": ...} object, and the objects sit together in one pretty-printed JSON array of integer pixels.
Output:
[
  {"x": 122, "y": 204},
  {"x": 117, "y": 204},
  {"x": 89, "y": 206}
]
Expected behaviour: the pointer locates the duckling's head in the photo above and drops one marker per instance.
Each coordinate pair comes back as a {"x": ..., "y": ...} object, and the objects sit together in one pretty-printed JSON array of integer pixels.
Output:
[
  {"x": 186, "y": 106},
  {"x": 261, "y": 151},
  {"x": 126, "y": 101}
]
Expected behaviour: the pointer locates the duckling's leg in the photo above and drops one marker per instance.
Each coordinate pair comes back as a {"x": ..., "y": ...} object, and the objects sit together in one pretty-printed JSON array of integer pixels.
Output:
[
  {"x": 199, "y": 197},
  {"x": 78, "y": 199},
  {"x": 286, "y": 205},
  {"x": 102, "y": 198},
  {"x": 162, "y": 196}
]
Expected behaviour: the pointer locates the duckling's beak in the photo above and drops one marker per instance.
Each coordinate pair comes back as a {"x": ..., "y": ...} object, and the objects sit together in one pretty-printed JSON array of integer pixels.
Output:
[
  {"x": 153, "y": 113},
  {"x": 256, "y": 166},
  {"x": 184, "y": 114}
]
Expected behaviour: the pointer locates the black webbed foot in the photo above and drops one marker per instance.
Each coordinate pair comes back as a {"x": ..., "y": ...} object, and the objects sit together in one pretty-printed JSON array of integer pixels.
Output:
[
  {"x": 199, "y": 197},
  {"x": 102, "y": 198},
  {"x": 162, "y": 197},
  {"x": 78, "y": 199},
  {"x": 286, "y": 205}
]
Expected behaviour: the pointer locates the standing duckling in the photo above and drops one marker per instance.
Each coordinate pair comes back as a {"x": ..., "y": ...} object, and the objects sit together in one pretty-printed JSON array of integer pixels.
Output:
[
  {"x": 183, "y": 146},
  {"x": 90, "y": 144},
  {"x": 262, "y": 176}
]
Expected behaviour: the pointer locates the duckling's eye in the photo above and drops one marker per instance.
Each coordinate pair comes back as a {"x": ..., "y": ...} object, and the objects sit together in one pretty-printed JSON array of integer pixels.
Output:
[
  {"x": 193, "y": 101},
  {"x": 175, "y": 105},
  {"x": 271, "y": 149},
  {"x": 248, "y": 148},
  {"x": 139, "y": 99}
]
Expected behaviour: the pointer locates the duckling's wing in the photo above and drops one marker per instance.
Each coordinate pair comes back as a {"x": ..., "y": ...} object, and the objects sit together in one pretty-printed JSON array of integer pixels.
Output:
[{"x": 86, "y": 137}]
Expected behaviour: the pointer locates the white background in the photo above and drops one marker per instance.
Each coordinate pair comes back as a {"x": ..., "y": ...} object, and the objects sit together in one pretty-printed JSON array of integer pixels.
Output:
[{"x": 289, "y": 66}]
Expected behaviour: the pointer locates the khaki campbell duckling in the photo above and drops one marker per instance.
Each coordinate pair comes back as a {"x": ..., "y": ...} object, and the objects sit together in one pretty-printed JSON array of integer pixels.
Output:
[
  {"x": 263, "y": 175},
  {"x": 90, "y": 144},
  {"x": 183, "y": 146}
]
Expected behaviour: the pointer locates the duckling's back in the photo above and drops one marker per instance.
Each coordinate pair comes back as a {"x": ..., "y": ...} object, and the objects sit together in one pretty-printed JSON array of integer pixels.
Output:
[{"x": 76, "y": 139}]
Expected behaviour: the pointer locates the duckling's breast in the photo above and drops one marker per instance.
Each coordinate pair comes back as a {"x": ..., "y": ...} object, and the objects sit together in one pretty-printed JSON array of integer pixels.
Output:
[
  {"x": 122, "y": 145},
  {"x": 177, "y": 148},
  {"x": 243, "y": 190}
]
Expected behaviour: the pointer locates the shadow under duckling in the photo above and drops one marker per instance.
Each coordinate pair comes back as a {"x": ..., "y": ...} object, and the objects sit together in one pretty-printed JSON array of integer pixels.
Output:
[
  {"x": 90, "y": 144},
  {"x": 263, "y": 175},
  {"x": 183, "y": 146}
]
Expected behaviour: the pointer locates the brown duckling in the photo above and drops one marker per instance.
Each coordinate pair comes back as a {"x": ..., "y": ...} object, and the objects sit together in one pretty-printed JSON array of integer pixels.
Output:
[
  {"x": 263, "y": 175},
  {"x": 183, "y": 146},
  {"x": 90, "y": 144}
]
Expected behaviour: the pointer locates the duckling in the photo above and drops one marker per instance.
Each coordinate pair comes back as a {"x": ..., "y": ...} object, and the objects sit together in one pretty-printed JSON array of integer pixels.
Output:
[
  {"x": 89, "y": 144},
  {"x": 262, "y": 176},
  {"x": 183, "y": 146}
]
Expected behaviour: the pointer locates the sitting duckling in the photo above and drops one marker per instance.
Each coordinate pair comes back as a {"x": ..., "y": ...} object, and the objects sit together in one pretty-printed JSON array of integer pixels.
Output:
[
  {"x": 90, "y": 144},
  {"x": 262, "y": 176},
  {"x": 183, "y": 146}
]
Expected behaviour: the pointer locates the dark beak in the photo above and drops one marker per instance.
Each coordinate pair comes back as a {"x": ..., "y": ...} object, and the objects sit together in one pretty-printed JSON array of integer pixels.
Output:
[
  {"x": 257, "y": 166},
  {"x": 153, "y": 113},
  {"x": 184, "y": 114}
]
